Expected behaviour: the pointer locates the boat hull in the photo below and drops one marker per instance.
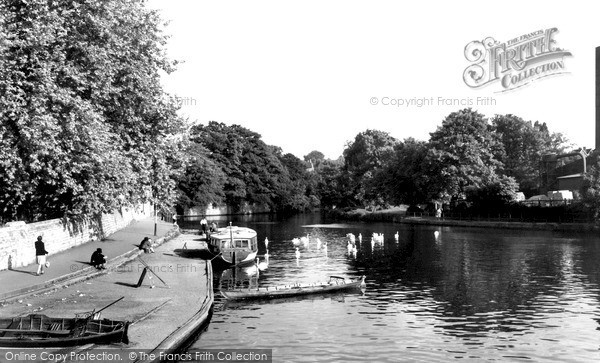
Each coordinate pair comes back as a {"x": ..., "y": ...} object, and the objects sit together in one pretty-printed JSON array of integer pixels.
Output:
[
  {"x": 29, "y": 332},
  {"x": 227, "y": 258},
  {"x": 288, "y": 291}
]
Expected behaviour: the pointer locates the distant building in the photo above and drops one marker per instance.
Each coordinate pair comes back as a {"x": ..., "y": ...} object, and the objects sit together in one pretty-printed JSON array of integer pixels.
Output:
[{"x": 564, "y": 171}]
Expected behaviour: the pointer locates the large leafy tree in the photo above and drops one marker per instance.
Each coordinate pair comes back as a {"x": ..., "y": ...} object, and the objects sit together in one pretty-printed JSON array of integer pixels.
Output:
[
  {"x": 254, "y": 171},
  {"x": 407, "y": 175},
  {"x": 203, "y": 181},
  {"x": 300, "y": 192},
  {"x": 524, "y": 144},
  {"x": 85, "y": 126},
  {"x": 467, "y": 152},
  {"x": 362, "y": 158}
]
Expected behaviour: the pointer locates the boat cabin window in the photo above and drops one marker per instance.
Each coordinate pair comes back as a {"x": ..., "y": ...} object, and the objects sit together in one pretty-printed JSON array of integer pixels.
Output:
[{"x": 241, "y": 243}]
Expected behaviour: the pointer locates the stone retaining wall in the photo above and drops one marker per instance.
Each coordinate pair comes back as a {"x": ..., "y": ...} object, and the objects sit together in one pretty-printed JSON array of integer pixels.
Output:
[{"x": 17, "y": 239}]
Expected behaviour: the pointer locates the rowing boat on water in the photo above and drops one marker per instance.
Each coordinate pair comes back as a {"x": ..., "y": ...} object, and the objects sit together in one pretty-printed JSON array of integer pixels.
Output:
[
  {"x": 335, "y": 283},
  {"x": 38, "y": 330}
]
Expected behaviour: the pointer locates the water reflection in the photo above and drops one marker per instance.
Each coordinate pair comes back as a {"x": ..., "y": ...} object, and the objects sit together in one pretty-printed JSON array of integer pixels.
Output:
[{"x": 432, "y": 294}]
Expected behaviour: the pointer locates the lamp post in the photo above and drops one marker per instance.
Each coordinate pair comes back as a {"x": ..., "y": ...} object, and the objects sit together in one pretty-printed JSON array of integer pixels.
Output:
[{"x": 155, "y": 218}]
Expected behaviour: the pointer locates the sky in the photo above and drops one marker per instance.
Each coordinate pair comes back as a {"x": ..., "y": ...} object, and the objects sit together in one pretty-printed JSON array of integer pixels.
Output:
[{"x": 311, "y": 75}]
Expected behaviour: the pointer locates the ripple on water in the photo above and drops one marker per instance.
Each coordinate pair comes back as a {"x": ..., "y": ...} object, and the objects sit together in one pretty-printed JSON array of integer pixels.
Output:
[{"x": 469, "y": 295}]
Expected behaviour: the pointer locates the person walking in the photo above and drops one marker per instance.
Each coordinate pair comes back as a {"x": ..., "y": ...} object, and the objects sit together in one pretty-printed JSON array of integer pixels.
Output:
[
  {"x": 203, "y": 225},
  {"x": 40, "y": 255}
]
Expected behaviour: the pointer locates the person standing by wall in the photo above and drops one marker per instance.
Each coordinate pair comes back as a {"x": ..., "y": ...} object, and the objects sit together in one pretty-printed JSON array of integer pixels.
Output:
[
  {"x": 40, "y": 255},
  {"x": 203, "y": 224}
]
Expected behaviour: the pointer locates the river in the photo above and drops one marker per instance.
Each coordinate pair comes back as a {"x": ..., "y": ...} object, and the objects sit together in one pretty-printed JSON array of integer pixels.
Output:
[{"x": 434, "y": 294}]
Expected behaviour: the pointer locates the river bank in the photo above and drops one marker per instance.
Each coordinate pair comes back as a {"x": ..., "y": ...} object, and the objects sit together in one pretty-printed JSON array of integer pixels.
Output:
[
  {"x": 397, "y": 215},
  {"x": 164, "y": 315}
]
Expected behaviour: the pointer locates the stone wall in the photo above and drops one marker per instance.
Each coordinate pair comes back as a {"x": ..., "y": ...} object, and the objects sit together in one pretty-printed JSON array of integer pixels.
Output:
[{"x": 17, "y": 238}]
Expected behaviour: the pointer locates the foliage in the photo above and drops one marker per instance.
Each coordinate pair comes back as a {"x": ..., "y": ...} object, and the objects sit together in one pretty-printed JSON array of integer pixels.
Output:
[
  {"x": 405, "y": 178},
  {"x": 362, "y": 158},
  {"x": 315, "y": 157},
  {"x": 255, "y": 172},
  {"x": 203, "y": 181},
  {"x": 493, "y": 196},
  {"x": 524, "y": 145},
  {"x": 467, "y": 152},
  {"x": 85, "y": 124},
  {"x": 333, "y": 186}
]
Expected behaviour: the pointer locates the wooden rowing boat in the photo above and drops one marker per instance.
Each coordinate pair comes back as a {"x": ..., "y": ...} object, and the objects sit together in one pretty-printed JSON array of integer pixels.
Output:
[
  {"x": 335, "y": 283},
  {"x": 38, "y": 330}
]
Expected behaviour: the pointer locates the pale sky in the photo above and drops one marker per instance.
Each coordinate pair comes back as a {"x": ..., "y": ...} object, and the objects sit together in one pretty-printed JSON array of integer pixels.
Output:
[{"x": 302, "y": 73}]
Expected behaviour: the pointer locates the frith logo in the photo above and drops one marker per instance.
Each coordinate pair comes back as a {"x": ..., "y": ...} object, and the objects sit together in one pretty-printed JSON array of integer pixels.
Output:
[{"x": 516, "y": 62}]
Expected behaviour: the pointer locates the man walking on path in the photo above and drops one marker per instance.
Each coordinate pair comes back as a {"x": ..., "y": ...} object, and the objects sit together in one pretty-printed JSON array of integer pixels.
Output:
[
  {"x": 203, "y": 225},
  {"x": 40, "y": 255}
]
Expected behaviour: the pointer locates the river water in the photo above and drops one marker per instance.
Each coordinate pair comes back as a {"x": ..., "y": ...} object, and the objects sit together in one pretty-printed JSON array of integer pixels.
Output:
[{"x": 435, "y": 294}]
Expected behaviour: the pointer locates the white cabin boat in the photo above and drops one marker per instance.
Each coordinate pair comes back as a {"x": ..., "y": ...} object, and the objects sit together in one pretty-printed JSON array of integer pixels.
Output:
[{"x": 236, "y": 245}]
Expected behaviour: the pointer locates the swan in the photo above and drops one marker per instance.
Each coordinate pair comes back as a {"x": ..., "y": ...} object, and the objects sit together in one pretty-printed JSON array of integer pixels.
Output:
[
  {"x": 436, "y": 234},
  {"x": 351, "y": 237},
  {"x": 296, "y": 241},
  {"x": 318, "y": 243},
  {"x": 360, "y": 237},
  {"x": 266, "y": 243},
  {"x": 262, "y": 265},
  {"x": 350, "y": 247},
  {"x": 325, "y": 248},
  {"x": 396, "y": 236},
  {"x": 297, "y": 253},
  {"x": 304, "y": 239}
]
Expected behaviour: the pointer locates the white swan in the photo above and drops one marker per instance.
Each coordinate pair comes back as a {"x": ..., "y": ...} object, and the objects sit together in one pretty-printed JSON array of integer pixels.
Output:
[
  {"x": 396, "y": 236},
  {"x": 266, "y": 243},
  {"x": 436, "y": 234},
  {"x": 297, "y": 253},
  {"x": 262, "y": 265},
  {"x": 360, "y": 237},
  {"x": 296, "y": 241},
  {"x": 305, "y": 240},
  {"x": 318, "y": 243}
]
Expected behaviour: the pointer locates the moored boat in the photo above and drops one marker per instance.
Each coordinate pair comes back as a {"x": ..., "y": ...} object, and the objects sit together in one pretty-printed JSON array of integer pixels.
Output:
[
  {"x": 37, "y": 330},
  {"x": 234, "y": 245},
  {"x": 335, "y": 283}
]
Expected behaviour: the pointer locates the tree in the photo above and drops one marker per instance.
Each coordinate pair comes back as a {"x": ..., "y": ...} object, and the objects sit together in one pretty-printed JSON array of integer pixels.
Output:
[
  {"x": 524, "y": 145},
  {"x": 363, "y": 157},
  {"x": 466, "y": 152},
  {"x": 406, "y": 177},
  {"x": 203, "y": 181},
  {"x": 254, "y": 171},
  {"x": 85, "y": 123},
  {"x": 315, "y": 158},
  {"x": 300, "y": 193}
]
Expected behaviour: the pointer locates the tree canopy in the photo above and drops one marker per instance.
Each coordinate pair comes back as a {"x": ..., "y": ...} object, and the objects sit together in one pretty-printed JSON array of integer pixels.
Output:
[{"x": 86, "y": 126}]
